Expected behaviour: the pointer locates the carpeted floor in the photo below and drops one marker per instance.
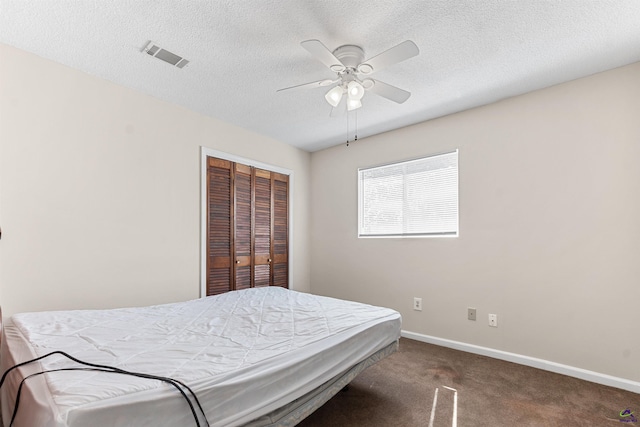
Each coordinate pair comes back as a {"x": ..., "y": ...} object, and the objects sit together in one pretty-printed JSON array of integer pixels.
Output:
[{"x": 399, "y": 391}]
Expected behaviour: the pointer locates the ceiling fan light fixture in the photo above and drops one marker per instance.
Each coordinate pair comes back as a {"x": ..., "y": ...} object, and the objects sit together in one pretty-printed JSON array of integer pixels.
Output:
[
  {"x": 355, "y": 90},
  {"x": 365, "y": 69},
  {"x": 334, "y": 96},
  {"x": 353, "y": 104}
]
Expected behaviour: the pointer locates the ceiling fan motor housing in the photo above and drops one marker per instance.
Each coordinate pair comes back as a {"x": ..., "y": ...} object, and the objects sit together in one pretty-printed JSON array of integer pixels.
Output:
[{"x": 350, "y": 55}]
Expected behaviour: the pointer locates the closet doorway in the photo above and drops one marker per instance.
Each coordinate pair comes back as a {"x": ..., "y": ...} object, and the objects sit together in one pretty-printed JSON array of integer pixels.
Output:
[{"x": 246, "y": 224}]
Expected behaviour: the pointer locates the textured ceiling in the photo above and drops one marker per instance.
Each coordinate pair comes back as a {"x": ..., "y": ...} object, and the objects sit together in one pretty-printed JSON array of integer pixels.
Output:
[{"x": 241, "y": 51}]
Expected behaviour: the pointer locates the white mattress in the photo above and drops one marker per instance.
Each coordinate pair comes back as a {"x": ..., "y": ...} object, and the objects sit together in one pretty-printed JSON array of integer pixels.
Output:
[{"x": 244, "y": 354}]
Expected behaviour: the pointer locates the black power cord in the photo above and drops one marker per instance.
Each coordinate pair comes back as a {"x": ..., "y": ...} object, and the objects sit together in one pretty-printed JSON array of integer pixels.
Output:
[{"x": 104, "y": 368}]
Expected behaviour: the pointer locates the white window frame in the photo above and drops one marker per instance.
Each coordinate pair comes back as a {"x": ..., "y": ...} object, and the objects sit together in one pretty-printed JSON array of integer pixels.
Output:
[{"x": 361, "y": 195}]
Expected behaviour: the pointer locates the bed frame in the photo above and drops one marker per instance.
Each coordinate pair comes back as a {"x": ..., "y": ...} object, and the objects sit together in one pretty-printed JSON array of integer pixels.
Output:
[{"x": 296, "y": 411}]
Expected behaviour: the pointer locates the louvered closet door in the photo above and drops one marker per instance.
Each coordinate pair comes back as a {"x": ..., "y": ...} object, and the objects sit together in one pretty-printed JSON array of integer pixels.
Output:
[
  {"x": 248, "y": 227},
  {"x": 219, "y": 226},
  {"x": 280, "y": 199},
  {"x": 243, "y": 226},
  {"x": 263, "y": 230}
]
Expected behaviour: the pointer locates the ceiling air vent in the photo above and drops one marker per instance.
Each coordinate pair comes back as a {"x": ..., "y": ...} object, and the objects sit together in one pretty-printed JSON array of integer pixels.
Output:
[{"x": 154, "y": 50}]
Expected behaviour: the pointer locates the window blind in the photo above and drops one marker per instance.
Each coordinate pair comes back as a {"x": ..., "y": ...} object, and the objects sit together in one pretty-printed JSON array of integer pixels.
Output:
[{"x": 413, "y": 198}]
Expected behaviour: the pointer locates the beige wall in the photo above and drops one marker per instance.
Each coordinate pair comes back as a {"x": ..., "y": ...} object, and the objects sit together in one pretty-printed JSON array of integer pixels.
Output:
[
  {"x": 100, "y": 190},
  {"x": 549, "y": 226}
]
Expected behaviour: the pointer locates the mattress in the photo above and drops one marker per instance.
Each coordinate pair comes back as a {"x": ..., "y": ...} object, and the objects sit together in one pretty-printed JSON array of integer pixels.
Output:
[{"x": 244, "y": 353}]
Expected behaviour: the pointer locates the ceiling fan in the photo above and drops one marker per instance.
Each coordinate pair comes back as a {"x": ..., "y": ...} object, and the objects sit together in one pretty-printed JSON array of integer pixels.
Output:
[{"x": 353, "y": 71}]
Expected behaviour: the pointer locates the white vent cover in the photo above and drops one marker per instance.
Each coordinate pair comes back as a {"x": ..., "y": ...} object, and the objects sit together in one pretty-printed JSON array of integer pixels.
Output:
[{"x": 154, "y": 50}]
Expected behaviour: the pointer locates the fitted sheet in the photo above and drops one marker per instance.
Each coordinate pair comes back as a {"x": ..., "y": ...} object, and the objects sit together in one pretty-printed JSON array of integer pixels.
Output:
[{"x": 244, "y": 353}]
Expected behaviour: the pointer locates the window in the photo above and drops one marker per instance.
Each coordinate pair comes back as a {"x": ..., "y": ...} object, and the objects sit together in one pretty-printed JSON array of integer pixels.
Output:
[{"x": 409, "y": 199}]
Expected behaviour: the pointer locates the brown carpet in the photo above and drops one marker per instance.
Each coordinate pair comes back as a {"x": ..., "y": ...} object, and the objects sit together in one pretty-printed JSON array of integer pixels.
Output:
[{"x": 399, "y": 391}]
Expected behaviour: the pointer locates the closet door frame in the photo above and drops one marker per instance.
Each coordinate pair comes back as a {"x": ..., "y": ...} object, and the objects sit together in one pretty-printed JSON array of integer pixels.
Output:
[{"x": 209, "y": 152}]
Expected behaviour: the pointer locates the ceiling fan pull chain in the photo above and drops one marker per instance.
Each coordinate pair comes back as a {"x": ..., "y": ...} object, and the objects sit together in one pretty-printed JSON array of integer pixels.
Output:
[
  {"x": 356, "y": 130},
  {"x": 347, "y": 128}
]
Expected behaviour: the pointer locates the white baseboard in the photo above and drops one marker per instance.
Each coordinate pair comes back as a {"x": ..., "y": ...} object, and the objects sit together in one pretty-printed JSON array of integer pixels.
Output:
[{"x": 546, "y": 365}]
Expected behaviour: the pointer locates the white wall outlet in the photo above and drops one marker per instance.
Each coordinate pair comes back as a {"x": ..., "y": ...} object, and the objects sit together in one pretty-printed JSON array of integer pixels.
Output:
[
  {"x": 417, "y": 304},
  {"x": 471, "y": 313},
  {"x": 493, "y": 320}
]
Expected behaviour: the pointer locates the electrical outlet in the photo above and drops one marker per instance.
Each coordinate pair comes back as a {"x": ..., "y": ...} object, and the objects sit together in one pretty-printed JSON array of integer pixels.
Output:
[
  {"x": 493, "y": 320},
  {"x": 471, "y": 313},
  {"x": 417, "y": 304}
]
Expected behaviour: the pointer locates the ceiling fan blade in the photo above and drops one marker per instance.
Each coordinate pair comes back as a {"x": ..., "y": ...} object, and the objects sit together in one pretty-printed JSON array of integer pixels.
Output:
[
  {"x": 405, "y": 50},
  {"x": 319, "y": 83},
  {"x": 322, "y": 54},
  {"x": 392, "y": 93}
]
